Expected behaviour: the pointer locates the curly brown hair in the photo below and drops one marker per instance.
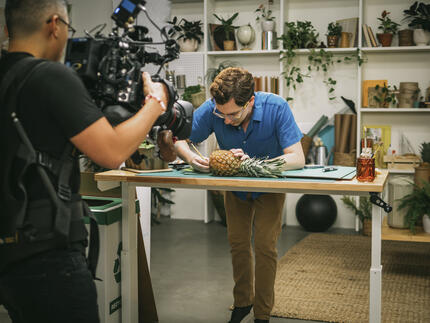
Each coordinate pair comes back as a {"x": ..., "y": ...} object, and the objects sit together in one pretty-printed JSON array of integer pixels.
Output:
[{"x": 233, "y": 82}]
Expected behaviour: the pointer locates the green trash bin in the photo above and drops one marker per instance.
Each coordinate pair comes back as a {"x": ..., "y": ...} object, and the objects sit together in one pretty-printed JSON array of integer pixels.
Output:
[{"x": 108, "y": 214}]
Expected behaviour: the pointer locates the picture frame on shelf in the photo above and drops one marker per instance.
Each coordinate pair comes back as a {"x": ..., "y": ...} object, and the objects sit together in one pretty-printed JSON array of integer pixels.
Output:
[
  {"x": 365, "y": 89},
  {"x": 378, "y": 131},
  {"x": 350, "y": 25}
]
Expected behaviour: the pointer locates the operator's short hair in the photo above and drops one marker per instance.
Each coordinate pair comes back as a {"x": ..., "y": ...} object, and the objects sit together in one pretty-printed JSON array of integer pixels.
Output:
[
  {"x": 233, "y": 82},
  {"x": 24, "y": 17}
]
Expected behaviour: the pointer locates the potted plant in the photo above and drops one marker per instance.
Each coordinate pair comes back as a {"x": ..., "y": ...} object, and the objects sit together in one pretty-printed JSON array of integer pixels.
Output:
[
  {"x": 333, "y": 33},
  {"x": 189, "y": 33},
  {"x": 419, "y": 16},
  {"x": 422, "y": 172},
  {"x": 385, "y": 96},
  {"x": 388, "y": 27},
  {"x": 266, "y": 18},
  {"x": 418, "y": 207},
  {"x": 214, "y": 71},
  {"x": 228, "y": 29},
  {"x": 363, "y": 211},
  {"x": 194, "y": 94}
]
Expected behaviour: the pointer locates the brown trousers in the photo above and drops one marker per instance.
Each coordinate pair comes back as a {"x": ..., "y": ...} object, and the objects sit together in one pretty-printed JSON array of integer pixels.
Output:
[{"x": 264, "y": 214}]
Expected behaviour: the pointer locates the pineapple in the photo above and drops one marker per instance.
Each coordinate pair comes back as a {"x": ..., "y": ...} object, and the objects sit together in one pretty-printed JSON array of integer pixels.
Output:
[{"x": 224, "y": 163}]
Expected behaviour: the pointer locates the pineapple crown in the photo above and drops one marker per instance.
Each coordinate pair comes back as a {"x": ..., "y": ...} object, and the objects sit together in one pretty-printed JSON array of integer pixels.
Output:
[{"x": 425, "y": 152}]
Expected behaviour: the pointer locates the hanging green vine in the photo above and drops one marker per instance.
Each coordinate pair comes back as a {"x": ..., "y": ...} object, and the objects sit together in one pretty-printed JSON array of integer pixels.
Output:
[{"x": 303, "y": 35}]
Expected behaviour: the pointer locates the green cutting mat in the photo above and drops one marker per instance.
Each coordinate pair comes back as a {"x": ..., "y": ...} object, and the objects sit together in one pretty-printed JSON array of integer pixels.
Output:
[
  {"x": 190, "y": 173},
  {"x": 341, "y": 172}
]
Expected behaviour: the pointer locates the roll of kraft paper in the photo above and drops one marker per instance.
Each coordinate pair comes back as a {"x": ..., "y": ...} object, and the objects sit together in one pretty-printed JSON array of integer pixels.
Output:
[
  {"x": 337, "y": 126},
  {"x": 353, "y": 133},
  {"x": 344, "y": 132}
]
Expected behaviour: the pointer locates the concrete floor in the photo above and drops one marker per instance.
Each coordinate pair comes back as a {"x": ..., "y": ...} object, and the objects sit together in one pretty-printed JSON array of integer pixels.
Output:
[{"x": 192, "y": 274}]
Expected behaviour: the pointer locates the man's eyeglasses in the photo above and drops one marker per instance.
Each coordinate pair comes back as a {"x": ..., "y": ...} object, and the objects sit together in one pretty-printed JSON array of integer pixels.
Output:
[
  {"x": 72, "y": 30},
  {"x": 232, "y": 116}
]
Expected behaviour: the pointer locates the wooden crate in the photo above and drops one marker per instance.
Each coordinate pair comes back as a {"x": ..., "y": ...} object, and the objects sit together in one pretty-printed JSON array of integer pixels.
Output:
[{"x": 402, "y": 162}]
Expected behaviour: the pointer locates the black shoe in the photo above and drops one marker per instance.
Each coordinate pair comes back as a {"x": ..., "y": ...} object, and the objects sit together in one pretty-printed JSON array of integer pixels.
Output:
[
  {"x": 261, "y": 321},
  {"x": 239, "y": 313}
]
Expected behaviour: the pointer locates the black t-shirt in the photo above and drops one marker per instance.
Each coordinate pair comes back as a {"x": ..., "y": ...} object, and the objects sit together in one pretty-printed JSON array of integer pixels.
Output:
[{"x": 53, "y": 106}]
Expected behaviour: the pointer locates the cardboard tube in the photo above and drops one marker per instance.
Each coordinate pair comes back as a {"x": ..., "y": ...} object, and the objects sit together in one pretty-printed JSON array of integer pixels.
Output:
[
  {"x": 337, "y": 125},
  {"x": 353, "y": 133},
  {"x": 344, "y": 132}
]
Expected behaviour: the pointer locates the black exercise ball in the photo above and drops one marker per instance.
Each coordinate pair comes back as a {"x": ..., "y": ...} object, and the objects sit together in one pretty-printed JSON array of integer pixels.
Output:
[{"x": 316, "y": 213}]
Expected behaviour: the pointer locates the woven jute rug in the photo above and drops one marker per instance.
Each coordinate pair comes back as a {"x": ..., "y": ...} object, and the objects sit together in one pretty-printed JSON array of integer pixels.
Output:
[{"x": 325, "y": 277}]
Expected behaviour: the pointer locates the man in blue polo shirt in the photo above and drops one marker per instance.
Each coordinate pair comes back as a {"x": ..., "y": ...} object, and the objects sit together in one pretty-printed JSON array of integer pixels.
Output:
[{"x": 254, "y": 124}]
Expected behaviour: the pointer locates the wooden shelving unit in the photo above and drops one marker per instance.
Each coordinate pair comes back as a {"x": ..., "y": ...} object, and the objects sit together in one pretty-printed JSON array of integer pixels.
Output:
[
  {"x": 403, "y": 234},
  {"x": 395, "y": 110}
]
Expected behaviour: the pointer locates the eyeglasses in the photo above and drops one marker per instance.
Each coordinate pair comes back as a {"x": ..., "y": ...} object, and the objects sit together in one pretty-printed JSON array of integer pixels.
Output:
[
  {"x": 71, "y": 30},
  {"x": 232, "y": 116}
]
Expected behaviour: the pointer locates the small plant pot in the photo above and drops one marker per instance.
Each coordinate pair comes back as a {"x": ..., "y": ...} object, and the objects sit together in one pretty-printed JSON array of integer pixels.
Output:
[
  {"x": 367, "y": 227},
  {"x": 332, "y": 41},
  {"x": 406, "y": 37},
  {"x": 385, "y": 39},
  {"x": 268, "y": 25},
  {"x": 421, "y": 175},
  {"x": 228, "y": 44},
  {"x": 421, "y": 37},
  {"x": 426, "y": 223},
  {"x": 188, "y": 45}
]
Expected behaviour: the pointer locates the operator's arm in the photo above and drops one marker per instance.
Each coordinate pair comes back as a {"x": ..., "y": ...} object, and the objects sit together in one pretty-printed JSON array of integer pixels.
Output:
[
  {"x": 186, "y": 154},
  {"x": 293, "y": 155},
  {"x": 108, "y": 146}
]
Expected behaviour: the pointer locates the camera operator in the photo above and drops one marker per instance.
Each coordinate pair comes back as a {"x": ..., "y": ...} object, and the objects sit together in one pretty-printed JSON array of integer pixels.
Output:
[{"x": 40, "y": 281}]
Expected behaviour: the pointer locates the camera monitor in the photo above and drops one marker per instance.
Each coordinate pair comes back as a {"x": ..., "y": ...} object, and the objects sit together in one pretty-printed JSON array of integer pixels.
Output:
[{"x": 127, "y": 9}]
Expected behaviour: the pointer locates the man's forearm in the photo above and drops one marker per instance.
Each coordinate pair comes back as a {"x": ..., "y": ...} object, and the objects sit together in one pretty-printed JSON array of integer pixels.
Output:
[
  {"x": 293, "y": 161},
  {"x": 183, "y": 150}
]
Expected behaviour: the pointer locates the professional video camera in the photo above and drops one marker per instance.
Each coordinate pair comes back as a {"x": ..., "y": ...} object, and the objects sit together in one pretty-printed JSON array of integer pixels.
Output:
[{"x": 111, "y": 68}]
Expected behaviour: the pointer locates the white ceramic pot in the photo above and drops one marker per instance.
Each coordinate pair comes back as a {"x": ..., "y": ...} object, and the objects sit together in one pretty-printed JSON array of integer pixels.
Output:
[
  {"x": 246, "y": 35},
  {"x": 188, "y": 45},
  {"x": 268, "y": 25},
  {"x": 426, "y": 223},
  {"x": 421, "y": 37}
]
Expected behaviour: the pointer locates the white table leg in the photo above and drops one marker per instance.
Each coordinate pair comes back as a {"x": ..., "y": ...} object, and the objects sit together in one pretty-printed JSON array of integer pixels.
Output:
[
  {"x": 129, "y": 285},
  {"x": 376, "y": 267}
]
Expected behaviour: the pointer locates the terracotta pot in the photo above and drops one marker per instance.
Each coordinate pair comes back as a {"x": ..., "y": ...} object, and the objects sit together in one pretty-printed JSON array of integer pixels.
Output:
[
  {"x": 228, "y": 44},
  {"x": 385, "y": 39},
  {"x": 332, "y": 41},
  {"x": 406, "y": 37}
]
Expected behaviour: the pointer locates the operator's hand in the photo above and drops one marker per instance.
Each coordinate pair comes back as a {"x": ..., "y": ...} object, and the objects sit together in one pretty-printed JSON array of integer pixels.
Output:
[
  {"x": 239, "y": 153},
  {"x": 200, "y": 164},
  {"x": 155, "y": 89}
]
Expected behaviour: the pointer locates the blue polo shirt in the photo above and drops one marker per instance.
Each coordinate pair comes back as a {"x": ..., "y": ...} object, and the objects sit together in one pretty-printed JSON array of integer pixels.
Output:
[{"x": 272, "y": 128}]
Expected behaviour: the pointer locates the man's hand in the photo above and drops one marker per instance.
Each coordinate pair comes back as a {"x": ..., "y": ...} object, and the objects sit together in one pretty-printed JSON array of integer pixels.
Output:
[
  {"x": 200, "y": 164},
  {"x": 237, "y": 152},
  {"x": 156, "y": 89}
]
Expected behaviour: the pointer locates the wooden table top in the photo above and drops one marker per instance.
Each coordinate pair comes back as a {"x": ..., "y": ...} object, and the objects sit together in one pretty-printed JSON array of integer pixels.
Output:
[{"x": 249, "y": 184}]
